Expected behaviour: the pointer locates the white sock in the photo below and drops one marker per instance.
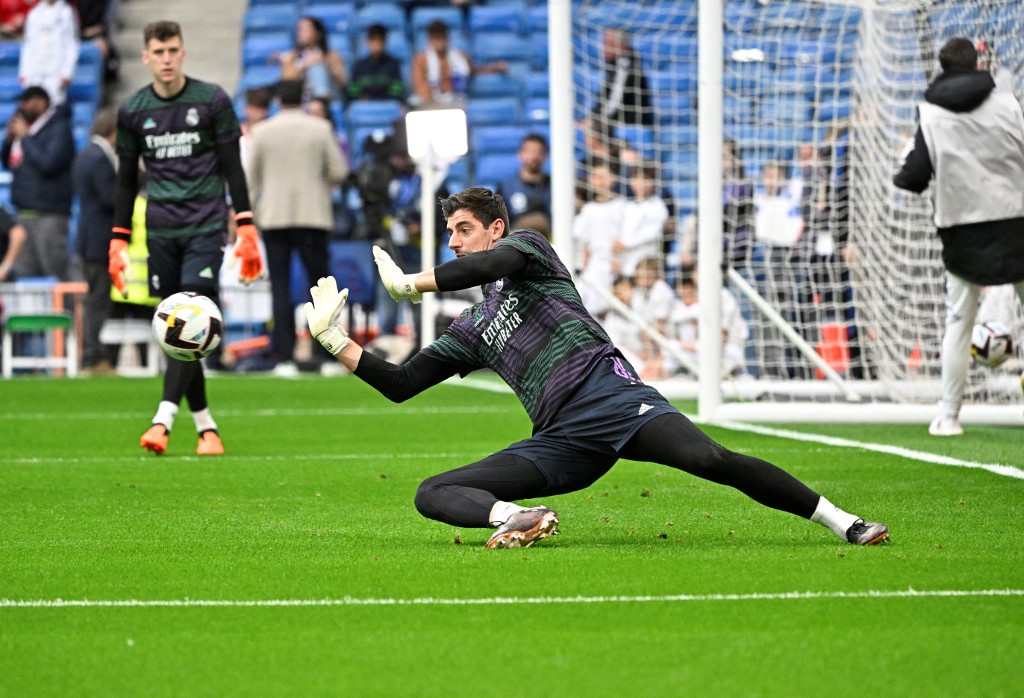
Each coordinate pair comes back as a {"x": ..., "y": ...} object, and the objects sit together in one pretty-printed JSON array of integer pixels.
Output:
[
  {"x": 501, "y": 512},
  {"x": 203, "y": 420},
  {"x": 829, "y": 515},
  {"x": 165, "y": 414}
]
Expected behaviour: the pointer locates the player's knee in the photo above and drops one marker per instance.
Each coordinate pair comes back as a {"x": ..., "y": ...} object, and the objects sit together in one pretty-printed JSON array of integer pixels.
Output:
[{"x": 426, "y": 499}]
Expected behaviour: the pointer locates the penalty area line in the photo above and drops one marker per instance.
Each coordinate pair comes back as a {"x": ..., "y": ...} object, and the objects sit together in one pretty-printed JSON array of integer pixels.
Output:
[{"x": 507, "y": 600}]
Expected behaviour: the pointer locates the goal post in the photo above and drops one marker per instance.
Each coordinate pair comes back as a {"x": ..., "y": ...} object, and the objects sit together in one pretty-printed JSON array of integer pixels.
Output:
[{"x": 776, "y": 128}]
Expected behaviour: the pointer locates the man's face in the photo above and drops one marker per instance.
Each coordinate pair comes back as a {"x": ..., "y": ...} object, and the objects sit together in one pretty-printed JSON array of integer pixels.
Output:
[
  {"x": 165, "y": 60},
  {"x": 532, "y": 155},
  {"x": 32, "y": 108},
  {"x": 375, "y": 45},
  {"x": 468, "y": 235}
]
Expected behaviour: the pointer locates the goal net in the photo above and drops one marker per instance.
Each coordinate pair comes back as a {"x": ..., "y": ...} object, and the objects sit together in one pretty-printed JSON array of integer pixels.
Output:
[{"x": 819, "y": 101}]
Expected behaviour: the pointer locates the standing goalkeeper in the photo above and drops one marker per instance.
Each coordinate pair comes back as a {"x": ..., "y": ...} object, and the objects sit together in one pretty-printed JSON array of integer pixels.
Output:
[
  {"x": 186, "y": 133},
  {"x": 587, "y": 405},
  {"x": 970, "y": 139}
]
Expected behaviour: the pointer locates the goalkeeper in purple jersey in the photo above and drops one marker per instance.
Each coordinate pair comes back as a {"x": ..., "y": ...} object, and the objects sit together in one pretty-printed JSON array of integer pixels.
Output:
[{"x": 587, "y": 405}]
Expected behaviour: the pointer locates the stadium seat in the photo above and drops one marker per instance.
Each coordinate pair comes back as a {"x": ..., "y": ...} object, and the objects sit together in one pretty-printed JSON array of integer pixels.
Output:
[
  {"x": 484, "y": 111},
  {"x": 537, "y": 111},
  {"x": 391, "y": 16},
  {"x": 672, "y": 109},
  {"x": 673, "y": 82},
  {"x": 786, "y": 109},
  {"x": 678, "y": 136},
  {"x": 373, "y": 114},
  {"x": 494, "y": 46},
  {"x": 422, "y": 16},
  {"x": 260, "y": 49},
  {"x": 351, "y": 263},
  {"x": 10, "y": 88},
  {"x": 259, "y": 76},
  {"x": 85, "y": 84},
  {"x": 337, "y": 18},
  {"x": 539, "y": 48},
  {"x": 488, "y": 140},
  {"x": 10, "y": 52},
  {"x": 537, "y": 19},
  {"x": 492, "y": 169},
  {"x": 538, "y": 84},
  {"x": 82, "y": 113},
  {"x": 496, "y": 85},
  {"x": 65, "y": 343},
  {"x": 270, "y": 18},
  {"x": 510, "y": 17}
]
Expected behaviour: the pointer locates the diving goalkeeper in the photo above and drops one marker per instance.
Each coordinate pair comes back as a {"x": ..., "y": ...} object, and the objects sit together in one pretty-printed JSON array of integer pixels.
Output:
[{"x": 587, "y": 405}]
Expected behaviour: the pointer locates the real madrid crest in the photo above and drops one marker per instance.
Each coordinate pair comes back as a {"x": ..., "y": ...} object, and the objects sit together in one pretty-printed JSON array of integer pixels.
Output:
[
  {"x": 499, "y": 284},
  {"x": 192, "y": 117}
]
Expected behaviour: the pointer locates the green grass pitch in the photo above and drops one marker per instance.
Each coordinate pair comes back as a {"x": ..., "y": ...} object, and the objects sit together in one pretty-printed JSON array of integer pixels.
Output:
[{"x": 322, "y": 579}]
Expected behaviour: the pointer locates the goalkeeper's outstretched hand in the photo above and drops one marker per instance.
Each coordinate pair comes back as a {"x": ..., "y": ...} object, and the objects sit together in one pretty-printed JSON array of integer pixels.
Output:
[
  {"x": 324, "y": 314},
  {"x": 247, "y": 250},
  {"x": 400, "y": 286},
  {"x": 119, "y": 265}
]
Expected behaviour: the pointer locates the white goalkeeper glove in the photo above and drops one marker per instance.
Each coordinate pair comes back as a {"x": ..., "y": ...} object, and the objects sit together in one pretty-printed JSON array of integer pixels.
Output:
[
  {"x": 400, "y": 286},
  {"x": 324, "y": 313}
]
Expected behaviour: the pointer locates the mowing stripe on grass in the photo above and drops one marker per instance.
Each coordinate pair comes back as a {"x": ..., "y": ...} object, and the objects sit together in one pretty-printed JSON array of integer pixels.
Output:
[
  {"x": 505, "y": 600},
  {"x": 150, "y": 458},
  {"x": 1004, "y": 470},
  {"x": 389, "y": 410}
]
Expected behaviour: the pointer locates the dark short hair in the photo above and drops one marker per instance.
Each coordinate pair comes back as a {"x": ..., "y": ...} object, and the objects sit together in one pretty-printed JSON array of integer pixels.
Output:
[
  {"x": 105, "y": 122},
  {"x": 34, "y": 91},
  {"x": 259, "y": 97},
  {"x": 437, "y": 28},
  {"x": 958, "y": 54},
  {"x": 377, "y": 31},
  {"x": 289, "y": 93},
  {"x": 535, "y": 138},
  {"x": 161, "y": 30},
  {"x": 647, "y": 170},
  {"x": 484, "y": 204}
]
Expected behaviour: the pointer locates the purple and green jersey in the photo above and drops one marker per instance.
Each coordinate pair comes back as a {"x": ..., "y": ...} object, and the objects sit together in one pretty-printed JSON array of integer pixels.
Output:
[
  {"x": 177, "y": 139},
  {"x": 532, "y": 330}
]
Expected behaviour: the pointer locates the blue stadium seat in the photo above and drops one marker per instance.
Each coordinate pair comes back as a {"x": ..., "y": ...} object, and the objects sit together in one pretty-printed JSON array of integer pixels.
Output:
[
  {"x": 664, "y": 51},
  {"x": 537, "y": 111},
  {"x": 259, "y": 76},
  {"x": 10, "y": 52},
  {"x": 838, "y": 17},
  {"x": 337, "y": 18},
  {"x": 539, "y": 49},
  {"x": 681, "y": 81},
  {"x": 537, "y": 19},
  {"x": 270, "y": 18},
  {"x": 422, "y": 16},
  {"x": 496, "y": 85},
  {"x": 672, "y": 109},
  {"x": 260, "y": 49},
  {"x": 486, "y": 111},
  {"x": 85, "y": 84},
  {"x": 373, "y": 114},
  {"x": 489, "y": 140},
  {"x": 835, "y": 109},
  {"x": 788, "y": 108},
  {"x": 678, "y": 136},
  {"x": 492, "y": 169},
  {"x": 679, "y": 164},
  {"x": 9, "y": 91},
  {"x": 494, "y": 45},
  {"x": 391, "y": 16},
  {"x": 89, "y": 54},
  {"x": 538, "y": 84},
  {"x": 82, "y": 113},
  {"x": 641, "y": 138},
  {"x": 351, "y": 263},
  {"x": 510, "y": 17}
]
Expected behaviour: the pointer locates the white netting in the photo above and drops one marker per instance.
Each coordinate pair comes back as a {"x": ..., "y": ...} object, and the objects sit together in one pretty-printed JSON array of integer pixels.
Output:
[{"x": 819, "y": 99}]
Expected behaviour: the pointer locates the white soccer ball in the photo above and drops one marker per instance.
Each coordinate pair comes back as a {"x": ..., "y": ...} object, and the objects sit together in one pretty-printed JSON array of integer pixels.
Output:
[
  {"x": 991, "y": 344},
  {"x": 188, "y": 326}
]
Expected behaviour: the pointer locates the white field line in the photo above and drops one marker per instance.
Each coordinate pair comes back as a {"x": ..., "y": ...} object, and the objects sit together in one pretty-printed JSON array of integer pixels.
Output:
[
  {"x": 924, "y": 456},
  {"x": 507, "y": 600}
]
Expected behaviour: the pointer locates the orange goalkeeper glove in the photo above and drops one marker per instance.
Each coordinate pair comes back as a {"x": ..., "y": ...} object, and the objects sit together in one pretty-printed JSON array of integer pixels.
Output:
[
  {"x": 247, "y": 249},
  {"x": 119, "y": 265}
]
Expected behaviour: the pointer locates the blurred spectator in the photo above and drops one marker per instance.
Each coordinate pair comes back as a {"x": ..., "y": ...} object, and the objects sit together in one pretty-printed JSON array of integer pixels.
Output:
[
  {"x": 257, "y": 108},
  {"x": 624, "y": 333},
  {"x": 295, "y": 161},
  {"x": 94, "y": 175},
  {"x": 322, "y": 69},
  {"x": 378, "y": 75},
  {"x": 441, "y": 72},
  {"x": 643, "y": 221},
  {"x": 685, "y": 320},
  {"x": 624, "y": 98},
  {"x": 39, "y": 148},
  {"x": 49, "y": 51},
  {"x": 92, "y": 18},
  {"x": 12, "y": 17},
  {"x": 12, "y": 240},
  {"x": 595, "y": 230},
  {"x": 321, "y": 108},
  {"x": 529, "y": 190},
  {"x": 652, "y": 301},
  {"x": 777, "y": 229}
]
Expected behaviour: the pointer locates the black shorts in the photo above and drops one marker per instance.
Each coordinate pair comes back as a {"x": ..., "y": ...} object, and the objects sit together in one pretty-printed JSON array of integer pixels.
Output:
[
  {"x": 584, "y": 439},
  {"x": 185, "y": 263}
]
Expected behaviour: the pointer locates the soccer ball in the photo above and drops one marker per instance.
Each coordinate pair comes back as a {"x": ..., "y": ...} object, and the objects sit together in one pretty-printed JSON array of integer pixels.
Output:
[
  {"x": 991, "y": 344},
  {"x": 188, "y": 326}
]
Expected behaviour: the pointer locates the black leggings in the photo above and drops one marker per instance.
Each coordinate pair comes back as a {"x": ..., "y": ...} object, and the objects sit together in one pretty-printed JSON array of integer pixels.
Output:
[
  {"x": 464, "y": 497},
  {"x": 186, "y": 378}
]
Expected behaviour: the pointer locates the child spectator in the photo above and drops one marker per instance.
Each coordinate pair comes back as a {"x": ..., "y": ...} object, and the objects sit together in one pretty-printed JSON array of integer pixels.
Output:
[
  {"x": 653, "y": 300},
  {"x": 378, "y": 75},
  {"x": 685, "y": 320},
  {"x": 595, "y": 230},
  {"x": 643, "y": 221}
]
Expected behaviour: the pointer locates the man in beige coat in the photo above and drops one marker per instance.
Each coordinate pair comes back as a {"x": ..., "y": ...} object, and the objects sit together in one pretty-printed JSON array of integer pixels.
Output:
[{"x": 294, "y": 164}]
